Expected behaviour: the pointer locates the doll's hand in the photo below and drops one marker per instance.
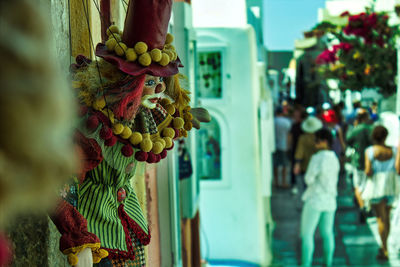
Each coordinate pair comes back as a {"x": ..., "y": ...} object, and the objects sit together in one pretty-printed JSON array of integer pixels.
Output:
[
  {"x": 199, "y": 115},
  {"x": 85, "y": 258}
]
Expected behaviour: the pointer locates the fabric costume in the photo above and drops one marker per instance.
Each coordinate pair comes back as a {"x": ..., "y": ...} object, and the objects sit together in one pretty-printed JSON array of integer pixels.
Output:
[{"x": 107, "y": 216}]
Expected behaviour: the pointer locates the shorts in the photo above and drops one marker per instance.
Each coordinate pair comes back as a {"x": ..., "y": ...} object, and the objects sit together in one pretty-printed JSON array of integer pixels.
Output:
[{"x": 280, "y": 158}]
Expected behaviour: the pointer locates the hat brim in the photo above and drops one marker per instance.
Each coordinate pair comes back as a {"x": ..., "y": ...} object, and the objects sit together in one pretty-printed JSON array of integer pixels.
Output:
[
  {"x": 134, "y": 68},
  {"x": 315, "y": 126}
]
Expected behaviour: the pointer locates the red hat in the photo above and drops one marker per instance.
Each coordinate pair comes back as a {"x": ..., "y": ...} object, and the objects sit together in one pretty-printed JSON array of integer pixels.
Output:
[
  {"x": 144, "y": 47},
  {"x": 329, "y": 116}
]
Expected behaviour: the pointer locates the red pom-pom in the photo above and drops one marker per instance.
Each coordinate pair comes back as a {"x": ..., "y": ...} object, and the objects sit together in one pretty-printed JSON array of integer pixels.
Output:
[
  {"x": 92, "y": 122},
  {"x": 5, "y": 251},
  {"x": 106, "y": 133},
  {"x": 151, "y": 157},
  {"x": 110, "y": 141},
  {"x": 141, "y": 156},
  {"x": 127, "y": 150},
  {"x": 173, "y": 144},
  {"x": 158, "y": 158},
  {"x": 163, "y": 154},
  {"x": 82, "y": 111}
]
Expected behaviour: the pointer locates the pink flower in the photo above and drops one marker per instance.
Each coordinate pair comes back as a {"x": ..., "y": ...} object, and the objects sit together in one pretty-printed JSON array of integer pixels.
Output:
[
  {"x": 327, "y": 56},
  {"x": 342, "y": 46}
]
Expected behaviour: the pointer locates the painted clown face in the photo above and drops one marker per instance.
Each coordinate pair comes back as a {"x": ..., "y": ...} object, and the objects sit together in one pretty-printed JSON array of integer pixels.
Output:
[{"x": 152, "y": 91}]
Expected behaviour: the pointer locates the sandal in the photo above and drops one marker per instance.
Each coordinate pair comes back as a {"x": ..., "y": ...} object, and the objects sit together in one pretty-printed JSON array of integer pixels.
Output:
[{"x": 382, "y": 255}]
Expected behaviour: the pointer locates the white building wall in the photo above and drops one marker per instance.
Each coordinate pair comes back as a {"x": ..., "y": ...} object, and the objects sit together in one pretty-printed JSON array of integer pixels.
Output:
[
  {"x": 336, "y": 7},
  {"x": 232, "y": 210},
  {"x": 219, "y": 13}
]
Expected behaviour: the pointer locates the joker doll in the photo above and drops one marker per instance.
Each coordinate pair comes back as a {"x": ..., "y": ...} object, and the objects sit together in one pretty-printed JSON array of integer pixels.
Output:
[{"x": 132, "y": 108}]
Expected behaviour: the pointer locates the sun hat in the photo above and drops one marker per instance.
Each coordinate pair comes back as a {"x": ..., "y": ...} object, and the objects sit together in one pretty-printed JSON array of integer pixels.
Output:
[
  {"x": 144, "y": 46},
  {"x": 311, "y": 124}
]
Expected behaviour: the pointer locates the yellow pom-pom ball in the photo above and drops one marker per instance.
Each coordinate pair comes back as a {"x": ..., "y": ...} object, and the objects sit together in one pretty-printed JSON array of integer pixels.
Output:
[
  {"x": 141, "y": 48},
  {"x": 178, "y": 123},
  {"x": 120, "y": 49},
  {"x": 118, "y": 128},
  {"x": 72, "y": 259},
  {"x": 188, "y": 116},
  {"x": 164, "y": 60},
  {"x": 174, "y": 56},
  {"x": 157, "y": 148},
  {"x": 146, "y": 145},
  {"x": 126, "y": 133},
  {"x": 155, "y": 54},
  {"x": 112, "y": 29},
  {"x": 145, "y": 59},
  {"x": 170, "y": 109},
  {"x": 170, "y": 54},
  {"x": 169, "y": 38},
  {"x": 111, "y": 43},
  {"x": 115, "y": 36},
  {"x": 99, "y": 103},
  {"x": 130, "y": 54},
  {"x": 168, "y": 47},
  {"x": 187, "y": 108},
  {"x": 168, "y": 132},
  {"x": 184, "y": 133},
  {"x": 162, "y": 141},
  {"x": 188, "y": 126},
  {"x": 164, "y": 102},
  {"x": 168, "y": 142},
  {"x": 136, "y": 138}
]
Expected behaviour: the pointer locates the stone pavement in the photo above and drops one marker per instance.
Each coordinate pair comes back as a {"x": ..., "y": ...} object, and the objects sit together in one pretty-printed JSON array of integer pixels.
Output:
[{"x": 356, "y": 243}]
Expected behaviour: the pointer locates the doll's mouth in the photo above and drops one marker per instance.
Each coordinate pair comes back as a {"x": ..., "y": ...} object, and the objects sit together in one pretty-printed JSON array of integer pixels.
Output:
[{"x": 154, "y": 100}]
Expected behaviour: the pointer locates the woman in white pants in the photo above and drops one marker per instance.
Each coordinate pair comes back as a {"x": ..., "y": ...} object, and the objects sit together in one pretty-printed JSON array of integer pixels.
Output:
[{"x": 320, "y": 199}]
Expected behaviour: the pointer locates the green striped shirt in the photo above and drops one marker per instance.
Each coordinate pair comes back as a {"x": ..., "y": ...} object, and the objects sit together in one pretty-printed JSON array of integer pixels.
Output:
[{"x": 98, "y": 196}]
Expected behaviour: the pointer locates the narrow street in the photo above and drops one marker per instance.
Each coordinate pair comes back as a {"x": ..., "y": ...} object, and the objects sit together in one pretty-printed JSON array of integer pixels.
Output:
[{"x": 356, "y": 243}]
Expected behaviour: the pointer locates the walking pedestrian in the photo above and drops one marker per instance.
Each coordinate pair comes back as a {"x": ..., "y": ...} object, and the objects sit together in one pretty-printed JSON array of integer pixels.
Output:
[
  {"x": 381, "y": 185},
  {"x": 359, "y": 138},
  {"x": 280, "y": 157},
  {"x": 320, "y": 199},
  {"x": 305, "y": 149},
  {"x": 296, "y": 131}
]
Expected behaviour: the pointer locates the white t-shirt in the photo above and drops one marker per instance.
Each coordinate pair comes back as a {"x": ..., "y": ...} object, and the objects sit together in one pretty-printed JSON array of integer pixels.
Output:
[
  {"x": 282, "y": 128},
  {"x": 321, "y": 177}
]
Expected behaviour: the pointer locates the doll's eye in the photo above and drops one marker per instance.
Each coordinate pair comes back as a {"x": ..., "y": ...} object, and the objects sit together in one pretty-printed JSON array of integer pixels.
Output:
[
  {"x": 162, "y": 79},
  {"x": 150, "y": 83}
]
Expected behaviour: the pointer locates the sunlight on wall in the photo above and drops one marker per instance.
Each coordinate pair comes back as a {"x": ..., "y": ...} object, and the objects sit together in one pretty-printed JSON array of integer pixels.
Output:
[{"x": 219, "y": 13}]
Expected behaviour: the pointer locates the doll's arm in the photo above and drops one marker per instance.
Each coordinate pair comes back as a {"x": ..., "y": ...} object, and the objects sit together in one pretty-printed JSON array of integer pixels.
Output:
[
  {"x": 72, "y": 226},
  {"x": 74, "y": 234},
  {"x": 199, "y": 115}
]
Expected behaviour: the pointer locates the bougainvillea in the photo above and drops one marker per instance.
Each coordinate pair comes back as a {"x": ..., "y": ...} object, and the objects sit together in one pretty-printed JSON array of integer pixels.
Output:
[{"x": 365, "y": 56}]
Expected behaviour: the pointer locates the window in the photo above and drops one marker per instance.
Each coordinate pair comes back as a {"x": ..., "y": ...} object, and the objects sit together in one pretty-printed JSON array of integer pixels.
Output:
[{"x": 210, "y": 74}]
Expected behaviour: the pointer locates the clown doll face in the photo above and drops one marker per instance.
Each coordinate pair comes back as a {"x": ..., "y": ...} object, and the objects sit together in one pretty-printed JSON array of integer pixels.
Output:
[{"x": 152, "y": 91}]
